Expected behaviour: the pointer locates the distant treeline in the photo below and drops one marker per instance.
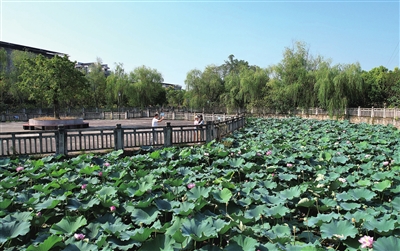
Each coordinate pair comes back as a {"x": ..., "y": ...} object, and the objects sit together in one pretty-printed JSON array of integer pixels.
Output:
[{"x": 300, "y": 80}]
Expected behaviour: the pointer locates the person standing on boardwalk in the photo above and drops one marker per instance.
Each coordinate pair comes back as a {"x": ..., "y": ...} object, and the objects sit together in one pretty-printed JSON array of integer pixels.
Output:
[
  {"x": 201, "y": 123},
  {"x": 154, "y": 123},
  {"x": 196, "y": 122}
]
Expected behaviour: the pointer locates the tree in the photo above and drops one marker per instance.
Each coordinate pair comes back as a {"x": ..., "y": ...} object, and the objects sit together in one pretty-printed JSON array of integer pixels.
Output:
[
  {"x": 97, "y": 85},
  {"x": 148, "y": 88},
  {"x": 55, "y": 81},
  {"x": 377, "y": 85}
]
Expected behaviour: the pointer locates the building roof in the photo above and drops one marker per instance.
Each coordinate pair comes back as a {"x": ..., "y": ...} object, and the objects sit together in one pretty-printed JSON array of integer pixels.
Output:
[{"x": 19, "y": 47}]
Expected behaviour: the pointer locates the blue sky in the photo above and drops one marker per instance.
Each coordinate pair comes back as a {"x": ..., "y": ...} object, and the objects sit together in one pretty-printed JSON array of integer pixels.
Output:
[{"x": 175, "y": 37}]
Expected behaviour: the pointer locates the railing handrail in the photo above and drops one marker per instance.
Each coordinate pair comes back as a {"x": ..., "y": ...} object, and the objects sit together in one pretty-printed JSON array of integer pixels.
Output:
[{"x": 64, "y": 141}]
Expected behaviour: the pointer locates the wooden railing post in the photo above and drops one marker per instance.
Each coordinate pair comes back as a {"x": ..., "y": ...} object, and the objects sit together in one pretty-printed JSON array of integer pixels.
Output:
[
  {"x": 118, "y": 138},
  {"x": 168, "y": 135},
  {"x": 209, "y": 133},
  {"x": 61, "y": 140}
]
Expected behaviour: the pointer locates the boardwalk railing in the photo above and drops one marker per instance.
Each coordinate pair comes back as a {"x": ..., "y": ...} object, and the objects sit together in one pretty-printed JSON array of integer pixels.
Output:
[{"x": 67, "y": 141}]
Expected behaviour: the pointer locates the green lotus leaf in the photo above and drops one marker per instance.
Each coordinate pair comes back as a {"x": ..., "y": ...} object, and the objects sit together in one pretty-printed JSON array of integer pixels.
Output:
[
  {"x": 349, "y": 205},
  {"x": 340, "y": 159},
  {"x": 343, "y": 196},
  {"x": 306, "y": 202},
  {"x": 163, "y": 205},
  {"x": 47, "y": 204},
  {"x": 396, "y": 203},
  {"x": 10, "y": 230},
  {"x": 210, "y": 247},
  {"x": 245, "y": 201},
  {"x": 381, "y": 226},
  {"x": 378, "y": 176},
  {"x": 309, "y": 236},
  {"x": 387, "y": 243},
  {"x": 327, "y": 156},
  {"x": 359, "y": 216},
  {"x": 139, "y": 234},
  {"x": 68, "y": 225},
  {"x": 268, "y": 184},
  {"x": 159, "y": 243},
  {"x": 80, "y": 245},
  {"x": 196, "y": 192},
  {"x": 10, "y": 182},
  {"x": 338, "y": 229},
  {"x": 117, "y": 244},
  {"x": 114, "y": 227},
  {"x": 46, "y": 244},
  {"x": 327, "y": 204},
  {"x": 277, "y": 211},
  {"x": 380, "y": 186},
  {"x": 255, "y": 212},
  {"x": 364, "y": 183},
  {"x": 222, "y": 196},
  {"x": 272, "y": 200},
  {"x": 4, "y": 203},
  {"x": 145, "y": 215},
  {"x": 89, "y": 169},
  {"x": 287, "y": 177},
  {"x": 290, "y": 193},
  {"x": 107, "y": 192},
  {"x": 321, "y": 218},
  {"x": 174, "y": 230},
  {"x": 75, "y": 204},
  {"x": 199, "y": 231},
  {"x": 4, "y": 162},
  {"x": 236, "y": 163},
  {"x": 155, "y": 155},
  {"x": 222, "y": 226},
  {"x": 241, "y": 242},
  {"x": 185, "y": 208},
  {"x": 18, "y": 216}
]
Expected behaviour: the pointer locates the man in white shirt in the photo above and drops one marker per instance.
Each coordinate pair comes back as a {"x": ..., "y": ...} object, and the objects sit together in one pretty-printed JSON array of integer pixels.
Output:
[{"x": 154, "y": 123}]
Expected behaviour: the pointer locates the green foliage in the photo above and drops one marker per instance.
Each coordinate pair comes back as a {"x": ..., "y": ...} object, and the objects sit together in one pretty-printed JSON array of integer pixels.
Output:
[{"x": 53, "y": 81}]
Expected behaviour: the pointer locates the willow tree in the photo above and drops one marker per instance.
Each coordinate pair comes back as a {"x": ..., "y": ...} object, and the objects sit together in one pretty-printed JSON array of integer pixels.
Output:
[
  {"x": 295, "y": 74},
  {"x": 147, "y": 86},
  {"x": 117, "y": 86},
  {"x": 339, "y": 86},
  {"x": 53, "y": 81},
  {"x": 97, "y": 85}
]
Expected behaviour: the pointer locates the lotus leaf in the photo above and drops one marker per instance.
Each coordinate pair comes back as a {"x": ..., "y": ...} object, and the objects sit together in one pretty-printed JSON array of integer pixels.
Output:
[
  {"x": 387, "y": 243},
  {"x": 222, "y": 196},
  {"x": 199, "y": 231},
  {"x": 68, "y": 225},
  {"x": 381, "y": 186},
  {"x": 10, "y": 230},
  {"x": 117, "y": 244},
  {"x": 198, "y": 192},
  {"x": 146, "y": 215},
  {"x": 338, "y": 229},
  {"x": 46, "y": 244},
  {"x": 380, "y": 226},
  {"x": 241, "y": 242}
]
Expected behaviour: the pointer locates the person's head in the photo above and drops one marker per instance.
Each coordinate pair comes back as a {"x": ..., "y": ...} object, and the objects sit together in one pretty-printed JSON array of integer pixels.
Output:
[
  {"x": 201, "y": 117},
  {"x": 156, "y": 115},
  {"x": 196, "y": 117}
]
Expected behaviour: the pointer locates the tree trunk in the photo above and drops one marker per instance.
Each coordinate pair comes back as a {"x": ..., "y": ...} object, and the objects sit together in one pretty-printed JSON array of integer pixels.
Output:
[{"x": 56, "y": 106}]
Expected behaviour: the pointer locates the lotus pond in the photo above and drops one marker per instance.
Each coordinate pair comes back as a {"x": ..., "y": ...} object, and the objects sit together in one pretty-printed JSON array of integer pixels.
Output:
[{"x": 278, "y": 184}]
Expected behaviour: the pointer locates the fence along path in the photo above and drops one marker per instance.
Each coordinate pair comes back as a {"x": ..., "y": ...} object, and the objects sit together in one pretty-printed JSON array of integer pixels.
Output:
[{"x": 73, "y": 141}]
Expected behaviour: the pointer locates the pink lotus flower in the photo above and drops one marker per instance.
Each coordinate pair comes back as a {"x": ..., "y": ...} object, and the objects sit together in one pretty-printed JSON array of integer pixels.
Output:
[
  {"x": 343, "y": 180},
  {"x": 269, "y": 152},
  {"x": 39, "y": 214},
  {"x": 84, "y": 186},
  {"x": 366, "y": 241},
  {"x": 289, "y": 164},
  {"x": 272, "y": 174},
  {"x": 79, "y": 236},
  {"x": 19, "y": 169},
  {"x": 106, "y": 164},
  {"x": 191, "y": 185},
  {"x": 386, "y": 163},
  {"x": 112, "y": 208},
  {"x": 100, "y": 174}
]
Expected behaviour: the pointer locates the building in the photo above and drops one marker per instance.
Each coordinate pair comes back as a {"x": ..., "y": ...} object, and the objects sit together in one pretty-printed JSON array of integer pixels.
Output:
[
  {"x": 10, "y": 47},
  {"x": 167, "y": 85},
  {"x": 86, "y": 67}
]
